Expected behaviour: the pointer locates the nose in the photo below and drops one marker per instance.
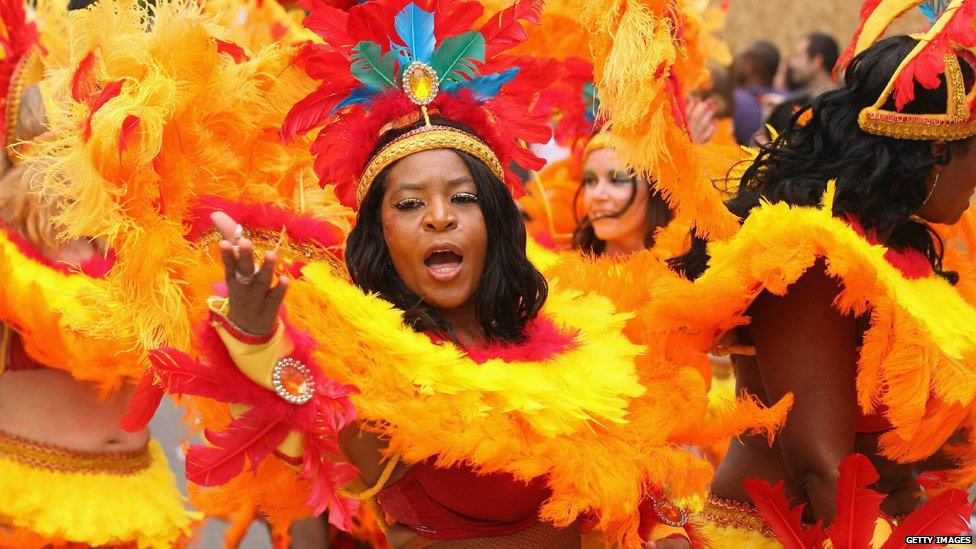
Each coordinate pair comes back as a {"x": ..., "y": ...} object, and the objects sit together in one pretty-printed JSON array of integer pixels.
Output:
[
  {"x": 601, "y": 190},
  {"x": 440, "y": 216}
]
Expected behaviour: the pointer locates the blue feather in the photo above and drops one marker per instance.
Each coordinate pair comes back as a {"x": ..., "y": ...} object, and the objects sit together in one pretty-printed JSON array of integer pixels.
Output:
[
  {"x": 361, "y": 94},
  {"x": 416, "y": 28},
  {"x": 484, "y": 87},
  {"x": 932, "y": 9}
]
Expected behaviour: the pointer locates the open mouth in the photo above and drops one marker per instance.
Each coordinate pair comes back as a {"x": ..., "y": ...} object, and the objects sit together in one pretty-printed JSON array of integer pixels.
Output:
[{"x": 444, "y": 263}]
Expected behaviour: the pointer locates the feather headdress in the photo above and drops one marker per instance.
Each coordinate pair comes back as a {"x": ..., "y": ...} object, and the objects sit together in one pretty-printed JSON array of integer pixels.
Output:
[
  {"x": 384, "y": 60},
  {"x": 937, "y": 57}
]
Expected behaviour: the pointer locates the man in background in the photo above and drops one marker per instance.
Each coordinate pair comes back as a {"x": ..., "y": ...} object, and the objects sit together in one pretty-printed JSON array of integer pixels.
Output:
[{"x": 809, "y": 69}]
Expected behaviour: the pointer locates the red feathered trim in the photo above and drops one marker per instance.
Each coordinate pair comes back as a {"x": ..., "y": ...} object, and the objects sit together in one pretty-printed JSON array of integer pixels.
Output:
[
  {"x": 785, "y": 521},
  {"x": 94, "y": 267},
  {"x": 300, "y": 229},
  {"x": 257, "y": 433},
  {"x": 543, "y": 341}
]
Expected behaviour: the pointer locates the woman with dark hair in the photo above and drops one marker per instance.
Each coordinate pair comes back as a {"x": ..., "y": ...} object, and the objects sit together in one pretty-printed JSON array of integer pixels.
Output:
[
  {"x": 837, "y": 285},
  {"x": 622, "y": 212}
]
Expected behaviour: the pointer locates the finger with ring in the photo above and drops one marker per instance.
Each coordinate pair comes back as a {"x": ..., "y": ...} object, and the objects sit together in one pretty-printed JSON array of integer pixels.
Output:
[{"x": 246, "y": 279}]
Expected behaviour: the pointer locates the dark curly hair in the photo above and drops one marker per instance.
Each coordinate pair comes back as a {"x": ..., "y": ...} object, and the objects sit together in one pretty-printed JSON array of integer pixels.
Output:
[
  {"x": 511, "y": 292},
  {"x": 881, "y": 181}
]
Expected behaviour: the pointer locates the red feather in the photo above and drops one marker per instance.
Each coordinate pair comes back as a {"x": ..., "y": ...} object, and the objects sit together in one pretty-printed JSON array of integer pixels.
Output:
[
  {"x": 858, "y": 507},
  {"x": 309, "y": 113},
  {"x": 504, "y": 30},
  {"x": 866, "y": 10},
  {"x": 932, "y": 480},
  {"x": 110, "y": 91},
  {"x": 236, "y": 52},
  {"x": 142, "y": 404},
  {"x": 453, "y": 17},
  {"x": 251, "y": 437},
  {"x": 181, "y": 375},
  {"x": 946, "y": 515},
  {"x": 771, "y": 504},
  {"x": 82, "y": 82},
  {"x": 328, "y": 22},
  {"x": 129, "y": 127}
]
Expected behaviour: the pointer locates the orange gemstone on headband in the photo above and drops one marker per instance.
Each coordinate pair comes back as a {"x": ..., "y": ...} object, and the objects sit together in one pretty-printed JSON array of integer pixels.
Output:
[{"x": 420, "y": 82}]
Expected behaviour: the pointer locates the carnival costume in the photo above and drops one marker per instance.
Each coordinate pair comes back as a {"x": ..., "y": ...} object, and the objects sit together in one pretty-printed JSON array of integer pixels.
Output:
[
  {"x": 599, "y": 446},
  {"x": 916, "y": 380},
  {"x": 52, "y": 495}
]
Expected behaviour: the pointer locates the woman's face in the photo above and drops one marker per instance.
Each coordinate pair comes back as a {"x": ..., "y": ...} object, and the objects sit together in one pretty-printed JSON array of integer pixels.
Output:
[
  {"x": 607, "y": 190},
  {"x": 953, "y": 189},
  {"x": 434, "y": 229}
]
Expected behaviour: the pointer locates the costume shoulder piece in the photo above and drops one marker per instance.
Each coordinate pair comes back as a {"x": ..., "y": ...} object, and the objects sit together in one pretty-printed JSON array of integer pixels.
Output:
[
  {"x": 918, "y": 362},
  {"x": 159, "y": 125}
]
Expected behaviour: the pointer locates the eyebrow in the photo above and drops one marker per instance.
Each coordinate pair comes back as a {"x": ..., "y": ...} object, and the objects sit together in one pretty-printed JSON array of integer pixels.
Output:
[{"x": 456, "y": 182}]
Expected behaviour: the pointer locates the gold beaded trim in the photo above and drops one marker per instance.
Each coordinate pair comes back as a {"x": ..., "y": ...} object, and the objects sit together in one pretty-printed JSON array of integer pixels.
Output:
[
  {"x": 56, "y": 458},
  {"x": 957, "y": 123},
  {"x": 18, "y": 81},
  {"x": 266, "y": 239},
  {"x": 427, "y": 138},
  {"x": 734, "y": 514}
]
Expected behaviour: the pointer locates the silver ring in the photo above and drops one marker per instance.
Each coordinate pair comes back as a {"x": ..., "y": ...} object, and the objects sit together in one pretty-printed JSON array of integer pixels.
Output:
[
  {"x": 246, "y": 279},
  {"x": 238, "y": 233}
]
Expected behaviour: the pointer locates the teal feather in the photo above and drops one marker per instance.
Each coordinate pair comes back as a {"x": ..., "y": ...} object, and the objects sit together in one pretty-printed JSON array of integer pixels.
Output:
[
  {"x": 454, "y": 60},
  {"x": 371, "y": 68}
]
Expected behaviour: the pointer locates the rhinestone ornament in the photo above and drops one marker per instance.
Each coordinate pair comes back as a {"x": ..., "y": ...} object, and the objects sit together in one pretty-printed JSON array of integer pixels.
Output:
[
  {"x": 420, "y": 83},
  {"x": 293, "y": 381},
  {"x": 670, "y": 514}
]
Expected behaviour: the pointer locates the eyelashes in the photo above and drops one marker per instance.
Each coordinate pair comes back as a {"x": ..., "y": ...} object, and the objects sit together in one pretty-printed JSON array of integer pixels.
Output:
[{"x": 410, "y": 204}]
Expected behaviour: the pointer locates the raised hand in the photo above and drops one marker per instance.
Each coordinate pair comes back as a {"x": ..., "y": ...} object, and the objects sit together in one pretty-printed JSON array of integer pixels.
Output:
[
  {"x": 701, "y": 119},
  {"x": 253, "y": 302}
]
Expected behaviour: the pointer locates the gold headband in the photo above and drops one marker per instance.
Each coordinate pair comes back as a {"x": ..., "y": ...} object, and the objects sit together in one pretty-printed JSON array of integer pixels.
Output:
[
  {"x": 599, "y": 141},
  {"x": 427, "y": 138}
]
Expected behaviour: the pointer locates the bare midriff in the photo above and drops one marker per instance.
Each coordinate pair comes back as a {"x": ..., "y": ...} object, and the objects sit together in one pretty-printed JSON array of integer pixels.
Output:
[{"x": 51, "y": 407}]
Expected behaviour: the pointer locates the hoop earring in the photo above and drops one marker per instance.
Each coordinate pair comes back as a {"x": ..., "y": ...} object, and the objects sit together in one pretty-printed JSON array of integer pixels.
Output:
[{"x": 932, "y": 190}]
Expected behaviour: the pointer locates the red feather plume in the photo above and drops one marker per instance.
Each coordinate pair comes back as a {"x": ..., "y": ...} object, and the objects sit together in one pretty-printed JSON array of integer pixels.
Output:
[
  {"x": 82, "y": 81},
  {"x": 947, "y": 514},
  {"x": 142, "y": 405},
  {"x": 771, "y": 504},
  {"x": 866, "y": 10},
  {"x": 858, "y": 507},
  {"x": 130, "y": 125},
  {"x": 110, "y": 91},
  {"x": 248, "y": 439},
  {"x": 504, "y": 30},
  {"x": 236, "y": 52}
]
